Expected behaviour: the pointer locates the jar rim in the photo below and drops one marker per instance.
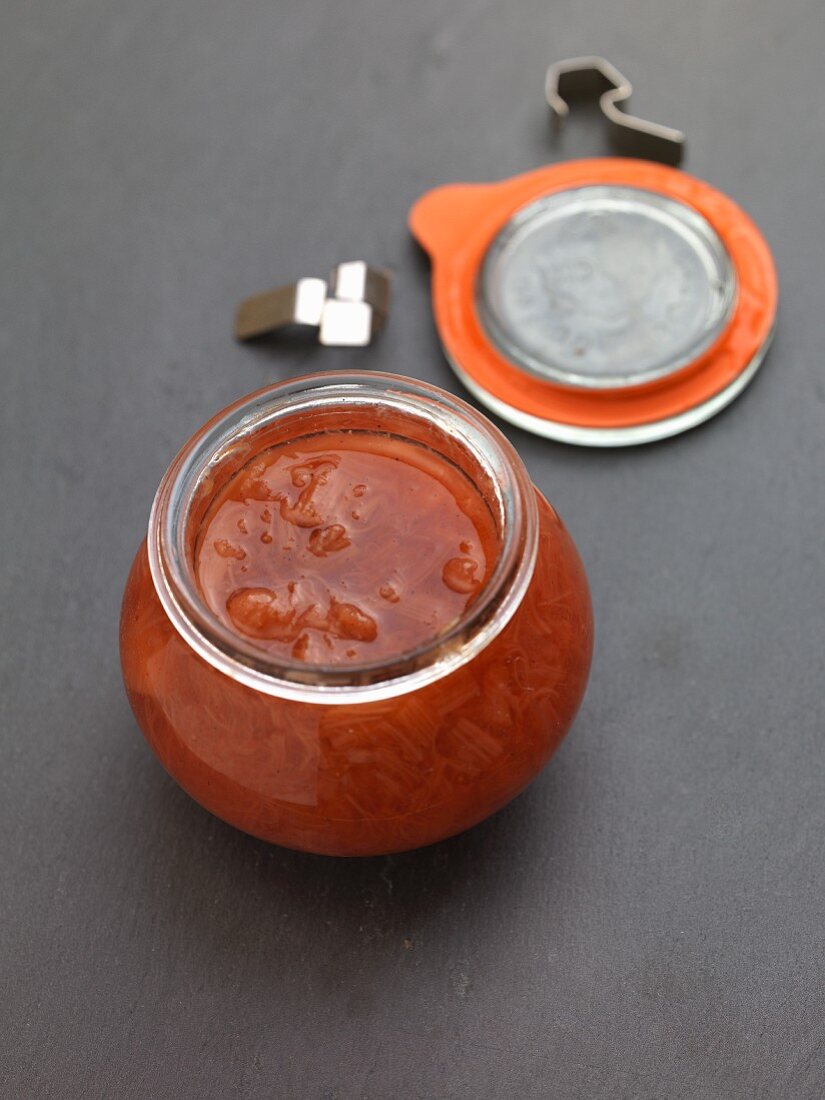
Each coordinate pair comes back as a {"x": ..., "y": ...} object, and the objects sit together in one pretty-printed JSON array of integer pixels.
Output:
[{"x": 194, "y": 471}]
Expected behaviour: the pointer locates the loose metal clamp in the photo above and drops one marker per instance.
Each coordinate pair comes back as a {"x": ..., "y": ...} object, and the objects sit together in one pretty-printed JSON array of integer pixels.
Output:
[
  {"x": 347, "y": 313},
  {"x": 583, "y": 77}
]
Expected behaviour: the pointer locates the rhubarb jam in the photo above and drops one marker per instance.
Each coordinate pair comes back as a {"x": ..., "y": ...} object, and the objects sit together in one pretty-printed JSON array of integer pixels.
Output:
[
  {"x": 344, "y": 546},
  {"x": 355, "y": 627}
]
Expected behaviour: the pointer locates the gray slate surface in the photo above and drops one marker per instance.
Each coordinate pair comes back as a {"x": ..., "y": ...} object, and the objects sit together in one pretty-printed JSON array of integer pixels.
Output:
[{"x": 646, "y": 921}]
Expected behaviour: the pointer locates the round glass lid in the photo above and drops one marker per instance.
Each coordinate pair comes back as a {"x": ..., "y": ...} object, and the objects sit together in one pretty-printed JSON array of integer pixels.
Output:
[{"x": 605, "y": 286}]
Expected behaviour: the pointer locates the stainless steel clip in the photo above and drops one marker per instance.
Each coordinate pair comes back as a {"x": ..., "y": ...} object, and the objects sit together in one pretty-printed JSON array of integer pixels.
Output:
[
  {"x": 347, "y": 313},
  {"x": 582, "y": 77}
]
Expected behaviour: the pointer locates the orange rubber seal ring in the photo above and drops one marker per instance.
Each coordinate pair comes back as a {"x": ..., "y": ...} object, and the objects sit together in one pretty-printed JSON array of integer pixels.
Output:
[{"x": 456, "y": 225}]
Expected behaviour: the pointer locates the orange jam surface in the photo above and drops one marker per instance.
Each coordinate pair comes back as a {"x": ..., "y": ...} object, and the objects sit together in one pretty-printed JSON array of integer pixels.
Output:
[{"x": 344, "y": 547}]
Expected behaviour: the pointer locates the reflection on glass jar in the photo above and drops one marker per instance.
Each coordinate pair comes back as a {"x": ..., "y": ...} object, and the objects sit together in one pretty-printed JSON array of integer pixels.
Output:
[{"x": 355, "y": 626}]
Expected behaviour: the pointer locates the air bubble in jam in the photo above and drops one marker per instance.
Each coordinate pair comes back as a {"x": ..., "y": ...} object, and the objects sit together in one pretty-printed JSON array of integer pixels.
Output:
[{"x": 314, "y": 586}]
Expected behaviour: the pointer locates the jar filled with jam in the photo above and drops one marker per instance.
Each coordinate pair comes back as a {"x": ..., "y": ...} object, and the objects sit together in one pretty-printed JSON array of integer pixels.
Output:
[{"x": 355, "y": 626}]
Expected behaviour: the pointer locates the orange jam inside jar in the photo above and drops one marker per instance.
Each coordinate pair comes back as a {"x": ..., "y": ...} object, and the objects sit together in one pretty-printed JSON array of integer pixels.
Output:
[{"x": 355, "y": 627}]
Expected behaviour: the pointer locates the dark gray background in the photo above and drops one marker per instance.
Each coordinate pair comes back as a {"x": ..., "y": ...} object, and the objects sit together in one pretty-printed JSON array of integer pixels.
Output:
[{"x": 647, "y": 920}]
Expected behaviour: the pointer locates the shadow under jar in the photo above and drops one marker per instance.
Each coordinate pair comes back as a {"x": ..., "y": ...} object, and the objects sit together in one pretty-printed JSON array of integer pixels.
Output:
[{"x": 355, "y": 626}]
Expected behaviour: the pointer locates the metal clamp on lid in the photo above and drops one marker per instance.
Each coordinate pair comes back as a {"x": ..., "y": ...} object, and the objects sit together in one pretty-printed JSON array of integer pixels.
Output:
[
  {"x": 347, "y": 313},
  {"x": 579, "y": 77}
]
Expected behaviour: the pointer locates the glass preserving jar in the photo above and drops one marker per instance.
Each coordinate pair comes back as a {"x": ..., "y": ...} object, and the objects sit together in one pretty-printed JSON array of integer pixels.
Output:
[{"x": 367, "y": 685}]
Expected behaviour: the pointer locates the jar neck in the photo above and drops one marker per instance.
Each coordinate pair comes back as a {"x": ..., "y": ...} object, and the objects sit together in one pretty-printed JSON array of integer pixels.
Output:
[{"x": 359, "y": 401}]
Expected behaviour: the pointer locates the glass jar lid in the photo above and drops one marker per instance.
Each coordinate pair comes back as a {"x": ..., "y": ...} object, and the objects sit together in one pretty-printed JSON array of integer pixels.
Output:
[
  {"x": 603, "y": 302},
  {"x": 606, "y": 286}
]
